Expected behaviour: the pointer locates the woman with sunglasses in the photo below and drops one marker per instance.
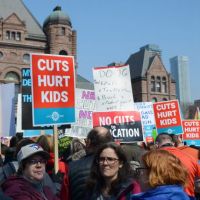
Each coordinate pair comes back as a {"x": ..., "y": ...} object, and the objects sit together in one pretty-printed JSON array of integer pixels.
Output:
[
  {"x": 27, "y": 183},
  {"x": 110, "y": 177}
]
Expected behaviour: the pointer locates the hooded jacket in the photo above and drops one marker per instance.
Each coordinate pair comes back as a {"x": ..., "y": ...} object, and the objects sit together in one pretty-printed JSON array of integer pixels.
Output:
[
  {"x": 19, "y": 188},
  {"x": 164, "y": 192}
]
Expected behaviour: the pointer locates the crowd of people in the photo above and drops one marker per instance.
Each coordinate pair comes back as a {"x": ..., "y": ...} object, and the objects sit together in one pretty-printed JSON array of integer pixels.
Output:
[{"x": 98, "y": 168}]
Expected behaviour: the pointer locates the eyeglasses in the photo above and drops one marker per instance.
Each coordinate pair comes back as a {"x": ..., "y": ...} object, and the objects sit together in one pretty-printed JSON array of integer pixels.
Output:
[
  {"x": 140, "y": 171},
  {"x": 109, "y": 160},
  {"x": 36, "y": 161}
]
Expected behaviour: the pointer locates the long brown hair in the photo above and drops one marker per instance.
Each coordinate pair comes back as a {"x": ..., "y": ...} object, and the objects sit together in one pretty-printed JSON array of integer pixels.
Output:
[{"x": 123, "y": 174}]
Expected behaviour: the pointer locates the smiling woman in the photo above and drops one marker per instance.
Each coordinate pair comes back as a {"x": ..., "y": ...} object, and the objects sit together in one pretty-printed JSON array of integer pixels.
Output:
[{"x": 110, "y": 176}]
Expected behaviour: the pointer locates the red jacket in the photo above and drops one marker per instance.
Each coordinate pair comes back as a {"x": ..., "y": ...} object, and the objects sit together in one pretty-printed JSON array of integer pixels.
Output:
[
  {"x": 63, "y": 168},
  {"x": 191, "y": 166},
  {"x": 50, "y": 165}
]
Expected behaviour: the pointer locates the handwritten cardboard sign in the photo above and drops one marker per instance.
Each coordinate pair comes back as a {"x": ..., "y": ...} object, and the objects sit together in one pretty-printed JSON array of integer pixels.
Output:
[
  {"x": 113, "y": 88},
  {"x": 148, "y": 121}
]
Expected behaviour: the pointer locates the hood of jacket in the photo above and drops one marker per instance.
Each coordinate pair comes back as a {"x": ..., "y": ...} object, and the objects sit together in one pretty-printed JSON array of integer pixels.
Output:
[
  {"x": 19, "y": 188},
  {"x": 165, "y": 192}
]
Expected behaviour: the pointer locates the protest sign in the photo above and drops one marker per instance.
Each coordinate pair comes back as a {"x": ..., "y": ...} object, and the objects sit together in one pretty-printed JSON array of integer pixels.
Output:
[
  {"x": 85, "y": 105},
  {"x": 25, "y": 108},
  {"x": 7, "y": 109},
  {"x": 125, "y": 126},
  {"x": 167, "y": 117},
  {"x": 191, "y": 133},
  {"x": 113, "y": 88},
  {"x": 26, "y": 101},
  {"x": 19, "y": 114},
  {"x": 148, "y": 122},
  {"x": 53, "y": 89}
]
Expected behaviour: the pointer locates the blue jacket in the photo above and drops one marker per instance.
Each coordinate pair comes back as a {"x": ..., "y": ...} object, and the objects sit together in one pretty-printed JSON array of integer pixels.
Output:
[{"x": 164, "y": 192}]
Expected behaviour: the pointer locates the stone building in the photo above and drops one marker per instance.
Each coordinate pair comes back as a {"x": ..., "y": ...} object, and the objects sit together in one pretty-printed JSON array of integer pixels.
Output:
[
  {"x": 150, "y": 79},
  {"x": 21, "y": 34}
]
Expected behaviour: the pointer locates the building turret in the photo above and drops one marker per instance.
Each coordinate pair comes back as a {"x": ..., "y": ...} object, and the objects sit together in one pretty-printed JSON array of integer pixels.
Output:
[{"x": 60, "y": 35}]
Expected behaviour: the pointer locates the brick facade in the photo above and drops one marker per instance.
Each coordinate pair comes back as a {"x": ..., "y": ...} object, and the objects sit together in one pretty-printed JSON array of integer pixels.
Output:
[
  {"x": 16, "y": 45},
  {"x": 150, "y": 80}
]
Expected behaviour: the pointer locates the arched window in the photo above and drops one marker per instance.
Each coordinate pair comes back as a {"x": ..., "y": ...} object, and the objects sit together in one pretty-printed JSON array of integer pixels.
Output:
[
  {"x": 164, "y": 85},
  {"x": 153, "y": 84},
  {"x": 62, "y": 31},
  {"x": 63, "y": 52},
  {"x": 12, "y": 76},
  {"x": 158, "y": 84},
  {"x": 26, "y": 58},
  {"x": 154, "y": 99}
]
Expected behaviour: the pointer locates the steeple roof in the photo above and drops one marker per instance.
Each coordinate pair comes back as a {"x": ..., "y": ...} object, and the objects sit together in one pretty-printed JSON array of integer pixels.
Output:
[{"x": 140, "y": 61}]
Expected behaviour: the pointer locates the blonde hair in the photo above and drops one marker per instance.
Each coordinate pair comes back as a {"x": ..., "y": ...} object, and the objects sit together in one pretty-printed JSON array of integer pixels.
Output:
[{"x": 164, "y": 168}]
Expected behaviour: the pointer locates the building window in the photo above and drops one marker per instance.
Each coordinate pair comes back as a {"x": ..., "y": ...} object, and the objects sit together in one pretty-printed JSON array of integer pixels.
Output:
[
  {"x": 164, "y": 85},
  {"x": 164, "y": 99},
  {"x": 158, "y": 84},
  {"x": 63, "y": 52},
  {"x": 12, "y": 76},
  {"x": 8, "y": 35},
  {"x": 62, "y": 30},
  {"x": 26, "y": 58},
  {"x": 13, "y": 35},
  {"x": 153, "y": 84},
  {"x": 154, "y": 99},
  {"x": 1, "y": 55},
  {"x": 18, "y": 36}
]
